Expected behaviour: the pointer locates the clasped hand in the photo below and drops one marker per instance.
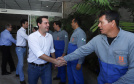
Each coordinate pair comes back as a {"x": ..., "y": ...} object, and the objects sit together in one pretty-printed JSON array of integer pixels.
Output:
[{"x": 60, "y": 62}]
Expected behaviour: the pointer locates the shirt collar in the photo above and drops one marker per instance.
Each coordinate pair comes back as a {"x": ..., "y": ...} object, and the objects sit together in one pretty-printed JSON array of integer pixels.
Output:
[
  {"x": 119, "y": 34},
  {"x": 39, "y": 34},
  {"x": 77, "y": 29},
  {"x": 6, "y": 30},
  {"x": 23, "y": 28},
  {"x": 59, "y": 30}
]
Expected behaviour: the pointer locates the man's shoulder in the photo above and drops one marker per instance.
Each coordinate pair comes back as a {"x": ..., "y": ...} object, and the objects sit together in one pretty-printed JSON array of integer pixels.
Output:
[
  {"x": 54, "y": 32},
  {"x": 34, "y": 34},
  {"x": 80, "y": 30},
  {"x": 98, "y": 37},
  {"x": 64, "y": 31},
  {"x": 20, "y": 29},
  {"x": 3, "y": 32},
  {"x": 127, "y": 34},
  {"x": 49, "y": 35}
]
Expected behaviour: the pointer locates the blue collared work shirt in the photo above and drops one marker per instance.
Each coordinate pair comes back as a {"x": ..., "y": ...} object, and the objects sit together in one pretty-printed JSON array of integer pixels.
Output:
[
  {"x": 116, "y": 60},
  {"x": 6, "y": 38}
]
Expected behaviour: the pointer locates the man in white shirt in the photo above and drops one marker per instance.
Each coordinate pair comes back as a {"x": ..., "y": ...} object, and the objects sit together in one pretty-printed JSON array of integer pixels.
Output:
[
  {"x": 40, "y": 46},
  {"x": 21, "y": 49}
]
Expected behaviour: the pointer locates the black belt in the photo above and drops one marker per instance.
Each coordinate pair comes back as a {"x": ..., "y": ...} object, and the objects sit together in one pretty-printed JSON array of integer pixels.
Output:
[
  {"x": 39, "y": 64},
  {"x": 21, "y": 46},
  {"x": 5, "y": 46}
]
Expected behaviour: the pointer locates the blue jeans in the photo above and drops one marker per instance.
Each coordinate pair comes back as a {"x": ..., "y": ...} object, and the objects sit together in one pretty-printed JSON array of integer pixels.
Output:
[
  {"x": 21, "y": 52},
  {"x": 44, "y": 72}
]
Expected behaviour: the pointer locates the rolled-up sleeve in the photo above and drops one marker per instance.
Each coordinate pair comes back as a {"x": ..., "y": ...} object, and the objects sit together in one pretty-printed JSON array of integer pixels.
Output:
[{"x": 34, "y": 46}]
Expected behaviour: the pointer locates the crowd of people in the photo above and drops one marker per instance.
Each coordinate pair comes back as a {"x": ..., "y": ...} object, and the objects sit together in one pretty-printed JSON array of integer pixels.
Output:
[{"x": 114, "y": 48}]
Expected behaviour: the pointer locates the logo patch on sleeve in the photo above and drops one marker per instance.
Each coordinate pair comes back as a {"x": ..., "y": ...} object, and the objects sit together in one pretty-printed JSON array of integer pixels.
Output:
[
  {"x": 83, "y": 39},
  {"x": 65, "y": 35},
  {"x": 72, "y": 39}
]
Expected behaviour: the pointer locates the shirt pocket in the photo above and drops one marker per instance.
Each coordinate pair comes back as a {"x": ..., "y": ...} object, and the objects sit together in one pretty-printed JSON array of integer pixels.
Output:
[
  {"x": 121, "y": 58},
  {"x": 61, "y": 37},
  {"x": 74, "y": 40}
]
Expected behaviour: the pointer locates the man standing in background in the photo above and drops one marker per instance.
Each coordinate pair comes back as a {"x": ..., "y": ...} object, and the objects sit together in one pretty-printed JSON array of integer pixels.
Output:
[
  {"x": 60, "y": 44},
  {"x": 6, "y": 42},
  {"x": 74, "y": 68},
  {"x": 35, "y": 29},
  {"x": 21, "y": 49}
]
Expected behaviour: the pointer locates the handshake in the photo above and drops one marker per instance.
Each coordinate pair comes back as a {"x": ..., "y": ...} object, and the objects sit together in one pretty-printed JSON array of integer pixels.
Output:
[{"x": 60, "y": 62}]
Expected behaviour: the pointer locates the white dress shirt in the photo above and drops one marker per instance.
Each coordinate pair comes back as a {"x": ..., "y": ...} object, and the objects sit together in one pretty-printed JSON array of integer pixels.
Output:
[
  {"x": 39, "y": 45},
  {"x": 21, "y": 37}
]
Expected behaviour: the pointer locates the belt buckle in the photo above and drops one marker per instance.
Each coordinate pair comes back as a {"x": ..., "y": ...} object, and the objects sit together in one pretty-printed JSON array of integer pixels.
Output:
[{"x": 38, "y": 65}]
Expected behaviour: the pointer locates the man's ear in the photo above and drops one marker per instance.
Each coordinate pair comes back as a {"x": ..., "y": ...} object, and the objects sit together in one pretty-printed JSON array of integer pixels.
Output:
[
  {"x": 38, "y": 24},
  {"x": 113, "y": 23}
]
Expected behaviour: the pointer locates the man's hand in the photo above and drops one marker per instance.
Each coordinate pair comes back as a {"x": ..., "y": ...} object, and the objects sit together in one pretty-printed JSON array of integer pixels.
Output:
[
  {"x": 63, "y": 54},
  {"x": 60, "y": 58},
  {"x": 78, "y": 66},
  {"x": 60, "y": 62}
]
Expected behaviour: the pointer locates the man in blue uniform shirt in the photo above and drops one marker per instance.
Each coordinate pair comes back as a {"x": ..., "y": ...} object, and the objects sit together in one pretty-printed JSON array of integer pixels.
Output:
[
  {"x": 114, "y": 48},
  {"x": 60, "y": 44},
  {"x": 74, "y": 68},
  {"x": 6, "y": 42}
]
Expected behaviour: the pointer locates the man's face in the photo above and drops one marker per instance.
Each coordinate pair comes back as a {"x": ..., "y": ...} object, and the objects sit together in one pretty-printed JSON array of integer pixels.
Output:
[
  {"x": 104, "y": 26},
  {"x": 44, "y": 26},
  {"x": 25, "y": 25},
  {"x": 55, "y": 26},
  {"x": 73, "y": 24},
  {"x": 10, "y": 28}
]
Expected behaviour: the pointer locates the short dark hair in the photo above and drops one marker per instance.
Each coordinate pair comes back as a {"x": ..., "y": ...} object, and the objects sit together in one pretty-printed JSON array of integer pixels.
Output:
[
  {"x": 58, "y": 23},
  {"x": 78, "y": 20},
  {"x": 35, "y": 28},
  {"x": 23, "y": 21},
  {"x": 39, "y": 19},
  {"x": 7, "y": 25},
  {"x": 110, "y": 16}
]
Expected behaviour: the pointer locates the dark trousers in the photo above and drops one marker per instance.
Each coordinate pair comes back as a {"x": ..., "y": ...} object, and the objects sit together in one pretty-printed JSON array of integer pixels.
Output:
[{"x": 6, "y": 58}]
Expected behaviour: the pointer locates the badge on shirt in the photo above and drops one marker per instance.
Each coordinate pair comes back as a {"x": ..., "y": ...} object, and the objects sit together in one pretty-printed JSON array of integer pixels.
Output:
[
  {"x": 58, "y": 38},
  {"x": 72, "y": 39},
  {"x": 121, "y": 60},
  {"x": 65, "y": 36},
  {"x": 83, "y": 39}
]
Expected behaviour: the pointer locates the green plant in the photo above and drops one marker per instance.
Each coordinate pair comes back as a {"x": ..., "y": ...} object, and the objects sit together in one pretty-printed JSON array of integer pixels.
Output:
[{"x": 94, "y": 7}]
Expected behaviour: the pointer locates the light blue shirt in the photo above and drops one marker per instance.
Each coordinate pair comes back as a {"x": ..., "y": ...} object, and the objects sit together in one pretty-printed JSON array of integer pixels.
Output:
[
  {"x": 61, "y": 35},
  {"x": 78, "y": 38},
  {"x": 6, "y": 38},
  {"x": 119, "y": 53}
]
